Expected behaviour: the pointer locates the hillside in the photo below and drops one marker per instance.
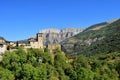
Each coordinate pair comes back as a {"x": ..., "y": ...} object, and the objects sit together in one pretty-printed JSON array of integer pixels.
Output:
[{"x": 99, "y": 38}]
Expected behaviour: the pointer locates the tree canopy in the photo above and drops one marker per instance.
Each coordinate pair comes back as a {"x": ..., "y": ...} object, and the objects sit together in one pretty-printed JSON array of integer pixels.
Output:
[{"x": 34, "y": 64}]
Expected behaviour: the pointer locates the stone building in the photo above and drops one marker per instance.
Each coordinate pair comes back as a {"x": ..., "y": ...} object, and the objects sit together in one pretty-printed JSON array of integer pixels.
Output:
[
  {"x": 36, "y": 42},
  {"x": 3, "y": 46},
  {"x": 53, "y": 47},
  {"x": 11, "y": 43}
]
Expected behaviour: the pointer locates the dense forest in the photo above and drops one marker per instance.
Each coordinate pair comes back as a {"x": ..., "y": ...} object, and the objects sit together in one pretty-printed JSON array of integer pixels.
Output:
[{"x": 34, "y": 64}]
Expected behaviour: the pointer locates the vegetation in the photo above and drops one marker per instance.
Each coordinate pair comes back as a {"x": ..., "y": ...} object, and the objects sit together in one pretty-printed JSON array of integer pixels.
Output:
[
  {"x": 96, "y": 57},
  {"x": 99, "y": 38},
  {"x": 34, "y": 64}
]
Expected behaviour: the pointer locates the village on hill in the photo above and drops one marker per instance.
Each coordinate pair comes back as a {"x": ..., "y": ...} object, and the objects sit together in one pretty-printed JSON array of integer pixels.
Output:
[{"x": 36, "y": 43}]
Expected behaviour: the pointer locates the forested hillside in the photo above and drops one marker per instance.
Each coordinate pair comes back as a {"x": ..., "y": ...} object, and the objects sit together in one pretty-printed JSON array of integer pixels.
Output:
[
  {"x": 95, "y": 55},
  {"x": 99, "y": 38},
  {"x": 35, "y": 64}
]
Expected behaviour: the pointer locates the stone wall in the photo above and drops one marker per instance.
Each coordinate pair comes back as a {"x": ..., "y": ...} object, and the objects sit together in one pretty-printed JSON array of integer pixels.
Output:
[{"x": 3, "y": 48}]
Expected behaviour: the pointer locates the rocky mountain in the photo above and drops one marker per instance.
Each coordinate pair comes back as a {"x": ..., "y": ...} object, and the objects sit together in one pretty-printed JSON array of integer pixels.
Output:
[
  {"x": 99, "y": 38},
  {"x": 54, "y": 36}
]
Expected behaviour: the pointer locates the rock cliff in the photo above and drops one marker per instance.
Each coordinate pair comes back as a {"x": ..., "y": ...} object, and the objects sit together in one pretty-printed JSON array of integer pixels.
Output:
[{"x": 54, "y": 36}]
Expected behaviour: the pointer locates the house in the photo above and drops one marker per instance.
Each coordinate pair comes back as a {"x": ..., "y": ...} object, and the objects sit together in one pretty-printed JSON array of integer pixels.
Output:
[
  {"x": 3, "y": 46},
  {"x": 11, "y": 43}
]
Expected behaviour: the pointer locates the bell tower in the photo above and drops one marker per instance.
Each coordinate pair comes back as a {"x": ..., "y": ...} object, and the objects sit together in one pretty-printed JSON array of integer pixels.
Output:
[{"x": 40, "y": 40}]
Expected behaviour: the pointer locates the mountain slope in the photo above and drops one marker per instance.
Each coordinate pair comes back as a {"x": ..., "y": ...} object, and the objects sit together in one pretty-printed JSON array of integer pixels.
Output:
[{"x": 99, "y": 38}]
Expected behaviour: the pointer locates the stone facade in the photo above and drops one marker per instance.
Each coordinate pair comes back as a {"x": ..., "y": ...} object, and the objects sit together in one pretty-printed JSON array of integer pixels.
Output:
[
  {"x": 52, "y": 47},
  {"x": 3, "y": 46},
  {"x": 33, "y": 42},
  {"x": 12, "y": 44},
  {"x": 2, "y": 40}
]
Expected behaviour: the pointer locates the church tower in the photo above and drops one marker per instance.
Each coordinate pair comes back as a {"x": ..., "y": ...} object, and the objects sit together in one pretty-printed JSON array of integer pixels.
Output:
[{"x": 40, "y": 40}]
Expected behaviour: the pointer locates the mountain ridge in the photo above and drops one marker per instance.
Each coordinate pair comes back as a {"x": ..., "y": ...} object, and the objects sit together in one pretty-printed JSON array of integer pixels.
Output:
[
  {"x": 91, "y": 40},
  {"x": 55, "y": 36}
]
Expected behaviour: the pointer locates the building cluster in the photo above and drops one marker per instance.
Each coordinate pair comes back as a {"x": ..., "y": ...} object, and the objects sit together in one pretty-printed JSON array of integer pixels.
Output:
[{"x": 36, "y": 42}]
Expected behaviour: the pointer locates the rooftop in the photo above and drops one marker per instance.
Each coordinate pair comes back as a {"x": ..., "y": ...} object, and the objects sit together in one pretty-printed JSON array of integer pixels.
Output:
[{"x": 2, "y": 38}]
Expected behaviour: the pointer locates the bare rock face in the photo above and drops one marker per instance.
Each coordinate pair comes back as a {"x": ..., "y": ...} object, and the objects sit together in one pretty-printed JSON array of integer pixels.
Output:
[
  {"x": 54, "y": 36},
  {"x": 51, "y": 30}
]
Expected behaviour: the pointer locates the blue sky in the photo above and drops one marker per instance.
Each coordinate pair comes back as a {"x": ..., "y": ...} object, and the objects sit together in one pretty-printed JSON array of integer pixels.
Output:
[{"x": 20, "y": 19}]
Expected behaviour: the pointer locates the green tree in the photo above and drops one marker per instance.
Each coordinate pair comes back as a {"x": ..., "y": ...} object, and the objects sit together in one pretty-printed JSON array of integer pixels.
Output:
[
  {"x": 40, "y": 73},
  {"x": 27, "y": 71},
  {"x": 6, "y": 74},
  {"x": 71, "y": 73},
  {"x": 22, "y": 54},
  {"x": 85, "y": 74},
  {"x": 60, "y": 60}
]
